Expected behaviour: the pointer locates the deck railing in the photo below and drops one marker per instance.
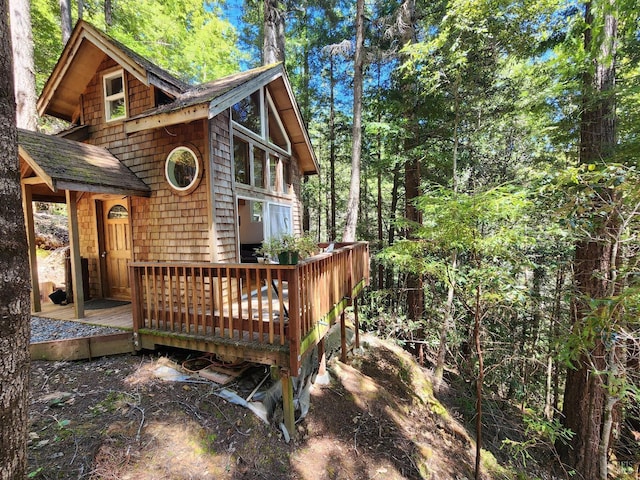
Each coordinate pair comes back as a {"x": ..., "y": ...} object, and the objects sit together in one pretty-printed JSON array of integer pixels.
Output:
[{"x": 264, "y": 304}]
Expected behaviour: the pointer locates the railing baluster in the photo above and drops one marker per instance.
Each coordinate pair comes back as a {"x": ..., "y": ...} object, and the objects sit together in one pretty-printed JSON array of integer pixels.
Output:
[
  {"x": 229, "y": 301},
  {"x": 220, "y": 302},
  {"x": 247, "y": 274},
  {"x": 164, "y": 272},
  {"x": 259, "y": 275},
  {"x": 194, "y": 299},
  {"x": 147, "y": 296},
  {"x": 281, "y": 305},
  {"x": 201, "y": 302},
  {"x": 237, "y": 276},
  {"x": 154, "y": 296},
  {"x": 270, "y": 304},
  {"x": 211, "y": 303},
  {"x": 172, "y": 319}
]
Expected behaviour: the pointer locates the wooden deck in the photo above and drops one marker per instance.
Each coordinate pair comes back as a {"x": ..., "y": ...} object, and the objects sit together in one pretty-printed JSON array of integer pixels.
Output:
[
  {"x": 118, "y": 317},
  {"x": 207, "y": 306}
]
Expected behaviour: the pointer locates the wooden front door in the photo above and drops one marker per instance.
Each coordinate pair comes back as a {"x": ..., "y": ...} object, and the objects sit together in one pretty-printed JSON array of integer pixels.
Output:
[{"x": 117, "y": 249}]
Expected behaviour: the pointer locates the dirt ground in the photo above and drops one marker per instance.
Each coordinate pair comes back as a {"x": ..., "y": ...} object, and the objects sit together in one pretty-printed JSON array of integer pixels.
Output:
[{"x": 113, "y": 418}]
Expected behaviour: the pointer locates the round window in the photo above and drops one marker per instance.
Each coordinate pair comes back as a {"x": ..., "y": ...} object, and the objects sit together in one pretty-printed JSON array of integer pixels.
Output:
[{"x": 182, "y": 169}]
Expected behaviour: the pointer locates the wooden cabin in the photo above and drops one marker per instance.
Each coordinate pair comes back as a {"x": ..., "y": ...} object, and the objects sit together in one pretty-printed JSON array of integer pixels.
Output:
[{"x": 170, "y": 188}]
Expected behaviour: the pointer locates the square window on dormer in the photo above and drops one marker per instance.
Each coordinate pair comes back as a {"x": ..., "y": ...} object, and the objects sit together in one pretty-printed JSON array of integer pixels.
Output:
[{"x": 115, "y": 104}]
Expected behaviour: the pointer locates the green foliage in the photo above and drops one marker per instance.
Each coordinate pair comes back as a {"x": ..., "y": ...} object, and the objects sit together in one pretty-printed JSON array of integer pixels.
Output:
[
  {"x": 539, "y": 434},
  {"x": 597, "y": 193},
  {"x": 305, "y": 245},
  {"x": 187, "y": 38},
  {"x": 489, "y": 224}
]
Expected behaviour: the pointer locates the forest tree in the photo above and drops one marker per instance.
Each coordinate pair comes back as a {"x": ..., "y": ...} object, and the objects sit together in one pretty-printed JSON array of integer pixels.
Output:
[{"x": 15, "y": 306}]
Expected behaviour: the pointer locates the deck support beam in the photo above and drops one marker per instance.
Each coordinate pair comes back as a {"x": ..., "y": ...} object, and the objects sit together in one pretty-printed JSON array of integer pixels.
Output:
[
  {"x": 287, "y": 402},
  {"x": 343, "y": 338}
]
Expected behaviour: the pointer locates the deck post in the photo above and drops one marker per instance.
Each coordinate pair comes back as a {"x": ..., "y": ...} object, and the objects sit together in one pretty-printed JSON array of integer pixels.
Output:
[
  {"x": 27, "y": 208},
  {"x": 322, "y": 358},
  {"x": 74, "y": 247},
  {"x": 287, "y": 402},
  {"x": 295, "y": 334},
  {"x": 136, "y": 310},
  {"x": 343, "y": 338}
]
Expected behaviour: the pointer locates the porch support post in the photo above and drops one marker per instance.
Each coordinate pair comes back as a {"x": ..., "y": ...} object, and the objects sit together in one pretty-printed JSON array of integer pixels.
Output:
[
  {"x": 74, "y": 247},
  {"x": 343, "y": 338},
  {"x": 27, "y": 209},
  {"x": 287, "y": 402}
]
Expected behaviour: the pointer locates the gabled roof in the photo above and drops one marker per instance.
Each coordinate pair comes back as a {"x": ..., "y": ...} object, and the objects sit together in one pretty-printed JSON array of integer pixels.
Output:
[
  {"x": 88, "y": 47},
  {"x": 84, "y": 52},
  {"x": 209, "y": 99},
  {"x": 68, "y": 165}
]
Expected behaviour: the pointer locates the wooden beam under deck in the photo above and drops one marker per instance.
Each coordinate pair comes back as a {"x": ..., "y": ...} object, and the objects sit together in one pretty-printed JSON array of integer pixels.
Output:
[{"x": 225, "y": 348}]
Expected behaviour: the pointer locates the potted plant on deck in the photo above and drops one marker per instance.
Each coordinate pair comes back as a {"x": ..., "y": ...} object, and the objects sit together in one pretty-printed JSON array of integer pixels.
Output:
[{"x": 288, "y": 248}]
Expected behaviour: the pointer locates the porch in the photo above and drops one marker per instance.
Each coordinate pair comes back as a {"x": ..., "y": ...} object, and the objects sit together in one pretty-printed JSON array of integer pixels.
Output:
[{"x": 264, "y": 313}]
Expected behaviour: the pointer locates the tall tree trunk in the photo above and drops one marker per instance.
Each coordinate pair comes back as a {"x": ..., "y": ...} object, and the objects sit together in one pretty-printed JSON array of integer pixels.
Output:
[
  {"x": 332, "y": 150},
  {"x": 380, "y": 271},
  {"x": 273, "y": 41},
  {"x": 412, "y": 175},
  {"x": 480, "y": 380},
  {"x": 379, "y": 202},
  {"x": 551, "y": 396},
  {"x": 80, "y": 9},
  {"x": 356, "y": 146},
  {"x": 447, "y": 321},
  {"x": 306, "y": 114},
  {"x": 15, "y": 304},
  {"x": 584, "y": 398},
  {"x": 393, "y": 208},
  {"x": 23, "y": 65},
  {"x": 65, "y": 19},
  {"x": 108, "y": 13}
]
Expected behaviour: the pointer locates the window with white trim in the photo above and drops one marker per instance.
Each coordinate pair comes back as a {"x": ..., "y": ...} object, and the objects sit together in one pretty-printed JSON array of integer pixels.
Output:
[
  {"x": 261, "y": 145},
  {"x": 115, "y": 102}
]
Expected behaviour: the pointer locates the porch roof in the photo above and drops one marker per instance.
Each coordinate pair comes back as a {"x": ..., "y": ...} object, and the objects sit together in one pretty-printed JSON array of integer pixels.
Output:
[{"x": 63, "y": 164}]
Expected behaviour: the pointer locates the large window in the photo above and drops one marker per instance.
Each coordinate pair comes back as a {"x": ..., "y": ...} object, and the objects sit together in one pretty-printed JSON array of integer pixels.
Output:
[
  {"x": 248, "y": 113},
  {"x": 276, "y": 134},
  {"x": 258, "y": 167},
  {"x": 261, "y": 146},
  {"x": 115, "y": 102},
  {"x": 241, "y": 161}
]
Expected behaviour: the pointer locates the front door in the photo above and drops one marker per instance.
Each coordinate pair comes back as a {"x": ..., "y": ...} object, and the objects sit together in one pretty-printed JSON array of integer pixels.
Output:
[{"x": 117, "y": 249}]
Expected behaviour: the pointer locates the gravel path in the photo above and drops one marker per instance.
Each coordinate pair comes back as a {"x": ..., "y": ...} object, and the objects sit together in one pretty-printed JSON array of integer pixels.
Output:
[{"x": 44, "y": 330}]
